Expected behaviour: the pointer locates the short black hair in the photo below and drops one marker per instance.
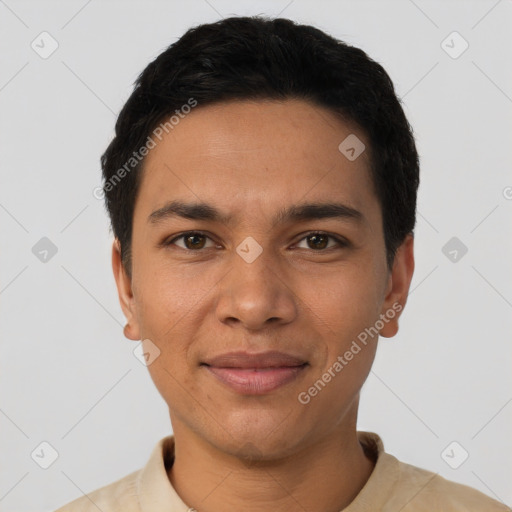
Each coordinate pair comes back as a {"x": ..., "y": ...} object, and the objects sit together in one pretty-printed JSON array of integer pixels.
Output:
[{"x": 251, "y": 58}]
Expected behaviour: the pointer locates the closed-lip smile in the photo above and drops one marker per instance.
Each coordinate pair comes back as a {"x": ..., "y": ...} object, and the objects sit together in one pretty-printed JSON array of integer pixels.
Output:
[{"x": 255, "y": 373}]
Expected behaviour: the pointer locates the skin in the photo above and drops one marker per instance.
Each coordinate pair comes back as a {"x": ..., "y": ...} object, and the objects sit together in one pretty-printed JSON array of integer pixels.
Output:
[{"x": 250, "y": 160}]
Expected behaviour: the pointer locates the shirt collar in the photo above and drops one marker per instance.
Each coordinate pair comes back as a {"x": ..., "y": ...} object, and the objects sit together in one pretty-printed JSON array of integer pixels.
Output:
[{"x": 153, "y": 486}]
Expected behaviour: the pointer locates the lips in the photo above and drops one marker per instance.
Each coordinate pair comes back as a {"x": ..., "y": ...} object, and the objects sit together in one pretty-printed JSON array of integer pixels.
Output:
[
  {"x": 270, "y": 359},
  {"x": 255, "y": 374}
]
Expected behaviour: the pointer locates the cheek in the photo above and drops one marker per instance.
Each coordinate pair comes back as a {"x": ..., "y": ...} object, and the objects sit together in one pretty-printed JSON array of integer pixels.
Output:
[
  {"x": 348, "y": 305},
  {"x": 168, "y": 295},
  {"x": 344, "y": 301},
  {"x": 170, "y": 305}
]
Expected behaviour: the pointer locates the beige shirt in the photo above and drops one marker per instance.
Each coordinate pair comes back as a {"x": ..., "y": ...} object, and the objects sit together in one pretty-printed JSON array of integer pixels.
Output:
[{"x": 393, "y": 486}]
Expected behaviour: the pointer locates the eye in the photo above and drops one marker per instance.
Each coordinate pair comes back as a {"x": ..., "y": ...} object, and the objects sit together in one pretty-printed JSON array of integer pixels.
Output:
[
  {"x": 196, "y": 241},
  {"x": 192, "y": 240},
  {"x": 319, "y": 241}
]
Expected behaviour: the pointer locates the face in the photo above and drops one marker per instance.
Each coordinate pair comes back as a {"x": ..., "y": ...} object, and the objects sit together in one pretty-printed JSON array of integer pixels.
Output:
[{"x": 258, "y": 261}]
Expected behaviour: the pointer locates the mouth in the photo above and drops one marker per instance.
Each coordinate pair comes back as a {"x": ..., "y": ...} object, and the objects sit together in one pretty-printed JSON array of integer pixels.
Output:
[{"x": 255, "y": 374}]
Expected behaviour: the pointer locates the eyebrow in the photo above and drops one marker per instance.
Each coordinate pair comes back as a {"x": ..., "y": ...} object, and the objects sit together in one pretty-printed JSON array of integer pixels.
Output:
[{"x": 299, "y": 212}]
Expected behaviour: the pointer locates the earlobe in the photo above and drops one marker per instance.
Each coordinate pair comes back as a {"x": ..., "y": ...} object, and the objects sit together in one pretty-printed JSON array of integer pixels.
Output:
[
  {"x": 397, "y": 288},
  {"x": 125, "y": 293},
  {"x": 131, "y": 333}
]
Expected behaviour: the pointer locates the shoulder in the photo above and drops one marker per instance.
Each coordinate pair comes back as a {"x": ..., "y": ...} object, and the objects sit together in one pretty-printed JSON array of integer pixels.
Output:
[
  {"x": 146, "y": 489},
  {"x": 396, "y": 485},
  {"x": 120, "y": 495},
  {"x": 423, "y": 490}
]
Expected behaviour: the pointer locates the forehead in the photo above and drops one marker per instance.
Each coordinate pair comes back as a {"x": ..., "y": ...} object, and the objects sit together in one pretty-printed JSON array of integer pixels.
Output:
[{"x": 254, "y": 156}]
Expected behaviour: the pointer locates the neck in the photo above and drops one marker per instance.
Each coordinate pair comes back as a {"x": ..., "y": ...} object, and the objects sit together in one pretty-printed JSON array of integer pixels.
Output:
[{"x": 325, "y": 475}]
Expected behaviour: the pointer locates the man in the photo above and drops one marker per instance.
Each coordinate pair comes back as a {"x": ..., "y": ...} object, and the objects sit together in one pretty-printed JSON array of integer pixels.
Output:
[{"x": 262, "y": 191}]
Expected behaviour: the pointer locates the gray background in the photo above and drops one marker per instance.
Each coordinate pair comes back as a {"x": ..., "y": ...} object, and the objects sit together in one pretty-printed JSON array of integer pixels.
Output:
[{"x": 69, "y": 377}]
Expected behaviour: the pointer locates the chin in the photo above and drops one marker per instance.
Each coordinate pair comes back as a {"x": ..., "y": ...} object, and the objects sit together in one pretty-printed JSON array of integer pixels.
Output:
[{"x": 258, "y": 436}]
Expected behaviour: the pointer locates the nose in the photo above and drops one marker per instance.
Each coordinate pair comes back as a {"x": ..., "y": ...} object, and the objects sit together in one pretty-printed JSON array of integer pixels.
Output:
[{"x": 256, "y": 295}]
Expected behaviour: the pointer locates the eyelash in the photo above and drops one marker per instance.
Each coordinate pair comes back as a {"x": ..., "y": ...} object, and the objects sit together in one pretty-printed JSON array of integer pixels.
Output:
[{"x": 341, "y": 242}]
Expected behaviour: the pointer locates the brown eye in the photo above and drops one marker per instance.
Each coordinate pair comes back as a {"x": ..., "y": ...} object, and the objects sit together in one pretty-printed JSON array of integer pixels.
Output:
[
  {"x": 318, "y": 241},
  {"x": 192, "y": 241}
]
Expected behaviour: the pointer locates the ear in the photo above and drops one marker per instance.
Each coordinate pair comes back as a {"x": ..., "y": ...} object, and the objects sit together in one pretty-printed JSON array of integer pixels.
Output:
[
  {"x": 397, "y": 288},
  {"x": 124, "y": 290}
]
